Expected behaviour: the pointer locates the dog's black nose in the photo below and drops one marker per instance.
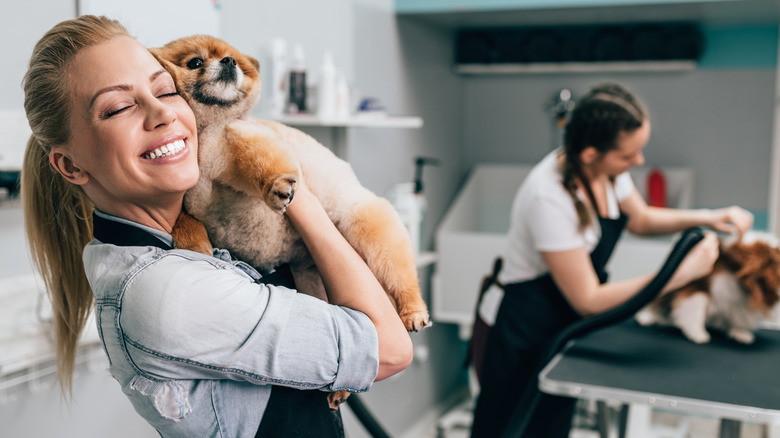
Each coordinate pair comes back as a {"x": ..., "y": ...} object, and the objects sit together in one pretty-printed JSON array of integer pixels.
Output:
[{"x": 228, "y": 60}]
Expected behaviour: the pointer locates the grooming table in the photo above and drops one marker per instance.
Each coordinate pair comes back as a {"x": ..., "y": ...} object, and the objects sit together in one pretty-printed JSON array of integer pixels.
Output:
[{"x": 657, "y": 366}]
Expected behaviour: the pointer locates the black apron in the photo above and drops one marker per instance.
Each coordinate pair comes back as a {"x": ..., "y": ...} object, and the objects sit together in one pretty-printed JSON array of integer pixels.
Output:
[
  {"x": 531, "y": 314},
  {"x": 290, "y": 412}
]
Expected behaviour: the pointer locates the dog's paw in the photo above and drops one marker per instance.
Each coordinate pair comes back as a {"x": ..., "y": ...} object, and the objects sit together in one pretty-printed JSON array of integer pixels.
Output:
[
  {"x": 335, "y": 399},
  {"x": 281, "y": 192},
  {"x": 645, "y": 317},
  {"x": 742, "y": 335},
  {"x": 697, "y": 336},
  {"x": 415, "y": 320}
]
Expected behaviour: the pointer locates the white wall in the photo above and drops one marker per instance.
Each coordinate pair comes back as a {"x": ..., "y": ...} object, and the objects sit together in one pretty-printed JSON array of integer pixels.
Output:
[
  {"x": 21, "y": 25},
  {"x": 719, "y": 122}
]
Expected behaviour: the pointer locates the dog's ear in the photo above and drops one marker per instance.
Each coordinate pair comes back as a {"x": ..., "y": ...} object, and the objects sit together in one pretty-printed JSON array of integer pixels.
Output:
[
  {"x": 172, "y": 68},
  {"x": 254, "y": 62}
]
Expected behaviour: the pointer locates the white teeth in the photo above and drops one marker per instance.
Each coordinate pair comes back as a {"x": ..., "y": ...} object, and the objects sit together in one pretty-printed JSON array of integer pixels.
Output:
[{"x": 164, "y": 151}]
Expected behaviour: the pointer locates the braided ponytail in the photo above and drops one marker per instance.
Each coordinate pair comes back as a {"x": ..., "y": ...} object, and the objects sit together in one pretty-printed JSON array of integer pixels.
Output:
[{"x": 597, "y": 120}]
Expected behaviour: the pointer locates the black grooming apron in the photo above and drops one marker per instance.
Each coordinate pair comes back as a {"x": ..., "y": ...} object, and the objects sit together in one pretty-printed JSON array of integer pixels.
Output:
[
  {"x": 531, "y": 313},
  {"x": 290, "y": 412}
]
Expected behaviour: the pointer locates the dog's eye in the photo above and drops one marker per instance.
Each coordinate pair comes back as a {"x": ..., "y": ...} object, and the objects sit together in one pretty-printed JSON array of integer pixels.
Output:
[{"x": 194, "y": 63}]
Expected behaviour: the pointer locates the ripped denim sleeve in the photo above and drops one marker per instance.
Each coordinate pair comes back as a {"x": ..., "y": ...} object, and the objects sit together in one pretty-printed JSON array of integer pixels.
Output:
[{"x": 170, "y": 398}]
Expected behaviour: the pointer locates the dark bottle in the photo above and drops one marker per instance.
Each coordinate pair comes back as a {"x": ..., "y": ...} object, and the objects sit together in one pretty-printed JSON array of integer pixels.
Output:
[{"x": 296, "y": 99}]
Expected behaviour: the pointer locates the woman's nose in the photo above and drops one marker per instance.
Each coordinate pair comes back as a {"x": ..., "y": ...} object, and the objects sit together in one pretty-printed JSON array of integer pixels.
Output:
[
  {"x": 640, "y": 160},
  {"x": 158, "y": 115}
]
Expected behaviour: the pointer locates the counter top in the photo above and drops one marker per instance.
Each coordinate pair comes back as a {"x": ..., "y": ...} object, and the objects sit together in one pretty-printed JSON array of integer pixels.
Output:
[{"x": 26, "y": 333}]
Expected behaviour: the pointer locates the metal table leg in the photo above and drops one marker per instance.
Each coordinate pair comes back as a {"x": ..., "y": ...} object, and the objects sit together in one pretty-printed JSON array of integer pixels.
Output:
[{"x": 729, "y": 428}]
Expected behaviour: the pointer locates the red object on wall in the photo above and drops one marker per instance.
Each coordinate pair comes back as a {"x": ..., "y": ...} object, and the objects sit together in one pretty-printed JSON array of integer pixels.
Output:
[{"x": 656, "y": 188}]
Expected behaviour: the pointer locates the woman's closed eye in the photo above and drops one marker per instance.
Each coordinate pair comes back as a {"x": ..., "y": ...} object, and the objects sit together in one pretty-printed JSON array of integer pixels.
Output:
[
  {"x": 168, "y": 92},
  {"x": 116, "y": 109}
]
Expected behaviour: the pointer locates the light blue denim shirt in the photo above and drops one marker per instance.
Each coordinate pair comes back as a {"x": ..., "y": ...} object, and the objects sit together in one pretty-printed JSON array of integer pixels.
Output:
[{"x": 196, "y": 343}]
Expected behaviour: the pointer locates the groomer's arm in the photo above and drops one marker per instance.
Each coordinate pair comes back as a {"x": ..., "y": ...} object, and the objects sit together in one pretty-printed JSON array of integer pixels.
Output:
[
  {"x": 646, "y": 220},
  {"x": 349, "y": 282}
]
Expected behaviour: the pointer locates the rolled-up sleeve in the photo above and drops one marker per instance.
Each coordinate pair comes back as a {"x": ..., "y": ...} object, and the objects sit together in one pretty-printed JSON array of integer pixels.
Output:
[{"x": 188, "y": 319}]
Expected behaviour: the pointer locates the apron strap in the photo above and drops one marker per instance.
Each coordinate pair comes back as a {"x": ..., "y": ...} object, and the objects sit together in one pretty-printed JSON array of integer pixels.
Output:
[{"x": 479, "y": 329}]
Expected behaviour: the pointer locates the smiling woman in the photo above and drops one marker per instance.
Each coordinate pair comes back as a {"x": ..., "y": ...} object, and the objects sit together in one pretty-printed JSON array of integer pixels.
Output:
[
  {"x": 200, "y": 344},
  {"x": 130, "y": 115}
]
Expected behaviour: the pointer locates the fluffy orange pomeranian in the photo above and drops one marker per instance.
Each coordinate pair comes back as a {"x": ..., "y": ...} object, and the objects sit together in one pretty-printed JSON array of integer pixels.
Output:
[
  {"x": 743, "y": 289},
  {"x": 249, "y": 169}
]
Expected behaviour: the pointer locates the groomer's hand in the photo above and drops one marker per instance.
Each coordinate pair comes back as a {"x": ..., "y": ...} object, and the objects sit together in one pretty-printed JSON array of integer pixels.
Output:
[
  {"x": 732, "y": 220},
  {"x": 698, "y": 263}
]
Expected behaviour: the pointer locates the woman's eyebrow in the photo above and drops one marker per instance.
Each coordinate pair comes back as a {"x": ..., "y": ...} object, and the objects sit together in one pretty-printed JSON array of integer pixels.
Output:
[
  {"x": 109, "y": 89},
  {"x": 123, "y": 87},
  {"x": 156, "y": 74}
]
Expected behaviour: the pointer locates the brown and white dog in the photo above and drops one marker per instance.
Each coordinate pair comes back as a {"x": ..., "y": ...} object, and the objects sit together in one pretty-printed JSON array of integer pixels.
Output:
[
  {"x": 742, "y": 289},
  {"x": 249, "y": 170}
]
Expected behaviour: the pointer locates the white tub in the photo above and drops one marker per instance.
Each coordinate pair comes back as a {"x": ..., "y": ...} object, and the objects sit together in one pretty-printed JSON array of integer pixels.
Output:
[{"x": 473, "y": 233}]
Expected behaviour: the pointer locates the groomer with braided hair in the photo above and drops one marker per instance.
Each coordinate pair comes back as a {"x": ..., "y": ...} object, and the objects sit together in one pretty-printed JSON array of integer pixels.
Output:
[{"x": 566, "y": 219}]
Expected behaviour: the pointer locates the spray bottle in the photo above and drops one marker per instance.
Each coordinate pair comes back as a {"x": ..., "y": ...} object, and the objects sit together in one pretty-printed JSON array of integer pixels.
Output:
[
  {"x": 419, "y": 163},
  {"x": 410, "y": 203}
]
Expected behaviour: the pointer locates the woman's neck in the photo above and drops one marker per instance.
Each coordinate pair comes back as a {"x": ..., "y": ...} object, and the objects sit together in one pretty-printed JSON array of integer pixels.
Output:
[{"x": 159, "y": 218}]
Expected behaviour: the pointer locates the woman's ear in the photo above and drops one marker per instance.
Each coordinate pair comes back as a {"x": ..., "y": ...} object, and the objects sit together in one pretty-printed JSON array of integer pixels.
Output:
[
  {"x": 62, "y": 162},
  {"x": 589, "y": 155}
]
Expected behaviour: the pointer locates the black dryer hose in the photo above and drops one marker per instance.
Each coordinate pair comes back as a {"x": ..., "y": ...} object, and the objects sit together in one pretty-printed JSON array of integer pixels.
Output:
[{"x": 523, "y": 413}]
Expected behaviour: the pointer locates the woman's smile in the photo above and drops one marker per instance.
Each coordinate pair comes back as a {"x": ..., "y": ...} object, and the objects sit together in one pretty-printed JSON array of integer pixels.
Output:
[{"x": 173, "y": 149}]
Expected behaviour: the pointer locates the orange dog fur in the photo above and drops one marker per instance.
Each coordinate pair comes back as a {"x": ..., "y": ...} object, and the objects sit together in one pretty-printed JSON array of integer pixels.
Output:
[
  {"x": 249, "y": 170},
  {"x": 741, "y": 290}
]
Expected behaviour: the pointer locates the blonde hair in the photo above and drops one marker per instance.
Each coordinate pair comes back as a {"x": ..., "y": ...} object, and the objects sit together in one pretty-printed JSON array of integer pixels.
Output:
[{"x": 58, "y": 215}]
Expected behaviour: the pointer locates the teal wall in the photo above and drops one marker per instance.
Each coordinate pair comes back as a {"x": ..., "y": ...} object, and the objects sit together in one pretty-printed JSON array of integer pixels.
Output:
[
  {"x": 434, "y": 6},
  {"x": 742, "y": 47}
]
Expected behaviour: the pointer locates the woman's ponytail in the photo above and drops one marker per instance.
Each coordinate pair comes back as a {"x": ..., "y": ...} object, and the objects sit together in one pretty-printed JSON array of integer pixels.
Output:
[
  {"x": 58, "y": 224},
  {"x": 58, "y": 215}
]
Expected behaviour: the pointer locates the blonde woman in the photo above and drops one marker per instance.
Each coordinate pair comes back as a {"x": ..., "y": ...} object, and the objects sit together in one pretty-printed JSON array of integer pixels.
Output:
[{"x": 200, "y": 345}]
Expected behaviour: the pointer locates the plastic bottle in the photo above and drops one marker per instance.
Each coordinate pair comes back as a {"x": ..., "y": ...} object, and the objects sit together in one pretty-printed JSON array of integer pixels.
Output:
[
  {"x": 326, "y": 90},
  {"x": 342, "y": 98},
  {"x": 403, "y": 198},
  {"x": 297, "y": 84},
  {"x": 422, "y": 203},
  {"x": 278, "y": 90},
  {"x": 656, "y": 188}
]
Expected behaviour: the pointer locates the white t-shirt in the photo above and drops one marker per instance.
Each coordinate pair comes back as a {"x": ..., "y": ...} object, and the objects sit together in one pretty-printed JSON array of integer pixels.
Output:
[{"x": 544, "y": 219}]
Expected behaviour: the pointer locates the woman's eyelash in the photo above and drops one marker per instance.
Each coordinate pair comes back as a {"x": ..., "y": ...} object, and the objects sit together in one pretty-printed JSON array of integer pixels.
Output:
[{"x": 111, "y": 113}]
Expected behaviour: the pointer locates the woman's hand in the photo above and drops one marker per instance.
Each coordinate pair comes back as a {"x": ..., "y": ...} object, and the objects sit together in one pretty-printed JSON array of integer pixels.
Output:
[
  {"x": 698, "y": 263},
  {"x": 731, "y": 220}
]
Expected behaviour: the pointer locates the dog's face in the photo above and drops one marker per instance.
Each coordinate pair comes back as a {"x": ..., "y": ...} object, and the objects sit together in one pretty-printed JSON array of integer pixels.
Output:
[
  {"x": 218, "y": 81},
  {"x": 757, "y": 267}
]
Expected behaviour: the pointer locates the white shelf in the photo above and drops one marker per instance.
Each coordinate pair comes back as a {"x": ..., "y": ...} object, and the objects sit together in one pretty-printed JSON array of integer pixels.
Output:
[
  {"x": 576, "y": 67},
  {"x": 377, "y": 121}
]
